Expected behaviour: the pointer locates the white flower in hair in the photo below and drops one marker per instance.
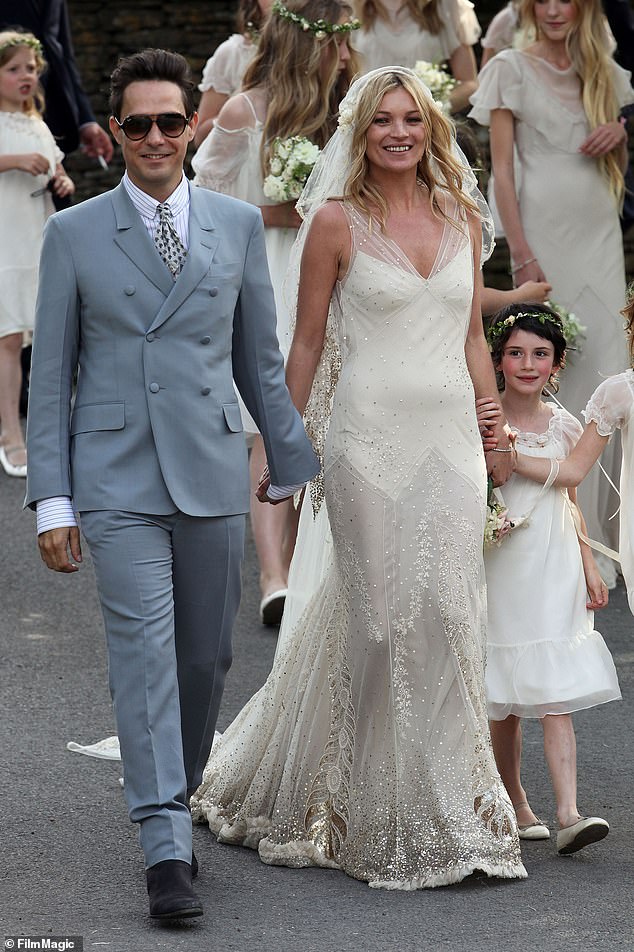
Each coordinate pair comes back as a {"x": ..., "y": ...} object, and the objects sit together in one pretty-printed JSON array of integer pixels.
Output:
[{"x": 346, "y": 115}]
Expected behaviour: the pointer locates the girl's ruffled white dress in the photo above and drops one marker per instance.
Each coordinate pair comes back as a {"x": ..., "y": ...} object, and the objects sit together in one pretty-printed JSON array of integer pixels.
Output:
[
  {"x": 611, "y": 407},
  {"x": 22, "y": 219},
  {"x": 544, "y": 655}
]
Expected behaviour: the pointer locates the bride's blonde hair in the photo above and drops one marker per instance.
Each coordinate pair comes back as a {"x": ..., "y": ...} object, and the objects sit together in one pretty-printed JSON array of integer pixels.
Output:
[
  {"x": 300, "y": 102},
  {"x": 437, "y": 169},
  {"x": 588, "y": 49},
  {"x": 423, "y": 12}
]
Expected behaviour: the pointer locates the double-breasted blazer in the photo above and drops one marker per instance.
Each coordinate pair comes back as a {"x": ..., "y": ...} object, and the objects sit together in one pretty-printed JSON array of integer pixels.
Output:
[{"x": 155, "y": 424}]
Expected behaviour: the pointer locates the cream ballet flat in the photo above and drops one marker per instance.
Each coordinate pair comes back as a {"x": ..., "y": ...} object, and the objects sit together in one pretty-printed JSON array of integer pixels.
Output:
[
  {"x": 588, "y": 829},
  {"x": 272, "y": 607},
  {"x": 11, "y": 469}
]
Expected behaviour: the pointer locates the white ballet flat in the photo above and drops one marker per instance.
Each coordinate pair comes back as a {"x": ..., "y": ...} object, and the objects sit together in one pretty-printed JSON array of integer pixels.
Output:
[
  {"x": 534, "y": 831},
  {"x": 589, "y": 829},
  {"x": 272, "y": 607},
  {"x": 10, "y": 468}
]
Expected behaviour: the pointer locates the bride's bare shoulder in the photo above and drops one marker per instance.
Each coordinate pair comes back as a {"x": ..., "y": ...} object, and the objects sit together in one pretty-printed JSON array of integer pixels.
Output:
[{"x": 331, "y": 215}]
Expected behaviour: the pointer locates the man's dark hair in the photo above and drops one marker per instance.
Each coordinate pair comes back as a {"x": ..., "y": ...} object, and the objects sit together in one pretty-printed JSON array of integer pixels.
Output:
[{"x": 151, "y": 65}]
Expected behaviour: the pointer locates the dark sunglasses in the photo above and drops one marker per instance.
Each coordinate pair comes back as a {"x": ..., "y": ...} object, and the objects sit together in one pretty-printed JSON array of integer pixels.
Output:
[{"x": 171, "y": 124}]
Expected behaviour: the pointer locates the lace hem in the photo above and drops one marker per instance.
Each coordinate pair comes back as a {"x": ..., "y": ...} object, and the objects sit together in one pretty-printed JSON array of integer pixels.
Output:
[
  {"x": 450, "y": 876},
  {"x": 254, "y": 832}
]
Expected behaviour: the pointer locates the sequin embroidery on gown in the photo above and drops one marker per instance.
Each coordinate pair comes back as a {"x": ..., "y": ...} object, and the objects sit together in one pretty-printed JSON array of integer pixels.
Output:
[{"x": 367, "y": 748}]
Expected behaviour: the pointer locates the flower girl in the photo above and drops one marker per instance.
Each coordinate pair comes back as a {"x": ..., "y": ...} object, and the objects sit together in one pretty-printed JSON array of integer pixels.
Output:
[
  {"x": 30, "y": 167},
  {"x": 544, "y": 658},
  {"x": 610, "y": 407}
]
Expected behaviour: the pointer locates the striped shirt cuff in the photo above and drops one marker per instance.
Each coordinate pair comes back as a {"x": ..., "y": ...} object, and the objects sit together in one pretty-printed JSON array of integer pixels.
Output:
[
  {"x": 283, "y": 492},
  {"x": 56, "y": 512}
]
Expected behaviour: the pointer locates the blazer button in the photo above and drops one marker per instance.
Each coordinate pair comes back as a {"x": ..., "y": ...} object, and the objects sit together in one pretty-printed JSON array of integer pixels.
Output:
[
  {"x": 213, "y": 291},
  {"x": 129, "y": 290},
  {"x": 206, "y": 391},
  {"x": 205, "y": 340},
  {"x": 150, "y": 337},
  {"x": 154, "y": 388}
]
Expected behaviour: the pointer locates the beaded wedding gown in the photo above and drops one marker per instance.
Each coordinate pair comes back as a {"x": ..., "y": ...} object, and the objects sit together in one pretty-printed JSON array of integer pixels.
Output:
[{"x": 367, "y": 749}]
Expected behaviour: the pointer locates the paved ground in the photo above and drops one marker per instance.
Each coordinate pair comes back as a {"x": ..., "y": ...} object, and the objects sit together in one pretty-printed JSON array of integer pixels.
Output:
[{"x": 71, "y": 865}]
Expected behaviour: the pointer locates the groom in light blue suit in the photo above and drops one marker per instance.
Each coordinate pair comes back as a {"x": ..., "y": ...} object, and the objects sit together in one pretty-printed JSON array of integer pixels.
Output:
[{"x": 158, "y": 295}]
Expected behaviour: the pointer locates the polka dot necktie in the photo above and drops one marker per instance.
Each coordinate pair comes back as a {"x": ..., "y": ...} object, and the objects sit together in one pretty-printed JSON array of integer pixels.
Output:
[{"x": 168, "y": 244}]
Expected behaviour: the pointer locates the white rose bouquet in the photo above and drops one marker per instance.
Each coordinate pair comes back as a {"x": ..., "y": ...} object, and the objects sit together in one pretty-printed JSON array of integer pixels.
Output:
[
  {"x": 497, "y": 524},
  {"x": 292, "y": 161},
  {"x": 438, "y": 81}
]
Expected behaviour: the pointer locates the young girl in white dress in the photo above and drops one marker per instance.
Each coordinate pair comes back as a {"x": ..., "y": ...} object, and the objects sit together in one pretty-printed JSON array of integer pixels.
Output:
[
  {"x": 400, "y": 32},
  {"x": 292, "y": 88},
  {"x": 544, "y": 657},
  {"x": 223, "y": 72},
  {"x": 29, "y": 161},
  {"x": 610, "y": 408},
  {"x": 557, "y": 103}
]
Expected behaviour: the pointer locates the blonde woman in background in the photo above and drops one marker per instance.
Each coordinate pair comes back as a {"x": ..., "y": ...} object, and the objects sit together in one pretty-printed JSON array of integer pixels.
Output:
[
  {"x": 291, "y": 88},
  {"x": 223, "y": 72},
  {"x": 557, "y": 103},
  {"x": 400, "y": 32}
]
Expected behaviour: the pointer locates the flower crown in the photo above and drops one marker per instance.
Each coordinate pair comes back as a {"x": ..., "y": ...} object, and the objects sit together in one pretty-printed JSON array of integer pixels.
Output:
[
  {"x": 26, "y": 40},
  {"x": 319, "y": 28},
  {"x": 499, "y": 329}
]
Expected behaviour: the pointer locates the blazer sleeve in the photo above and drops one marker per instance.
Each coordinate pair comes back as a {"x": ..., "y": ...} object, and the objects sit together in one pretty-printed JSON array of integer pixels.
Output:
[
  {"x": 258, "y": 370},
  {"x": 82, "y": 102},
  {"x": 53, "y": 366}
]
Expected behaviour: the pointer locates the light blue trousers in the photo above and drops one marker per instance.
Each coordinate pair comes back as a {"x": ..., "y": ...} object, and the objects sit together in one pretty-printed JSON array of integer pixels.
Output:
[{"x": 169, "y": 588}]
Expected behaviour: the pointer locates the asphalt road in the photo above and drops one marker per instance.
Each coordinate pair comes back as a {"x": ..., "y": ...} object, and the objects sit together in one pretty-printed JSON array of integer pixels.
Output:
[{"x": 70, "y": 861}]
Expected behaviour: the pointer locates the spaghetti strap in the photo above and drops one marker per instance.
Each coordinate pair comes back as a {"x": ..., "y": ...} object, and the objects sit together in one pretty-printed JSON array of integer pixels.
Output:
[{"x": 251, "y": 107}]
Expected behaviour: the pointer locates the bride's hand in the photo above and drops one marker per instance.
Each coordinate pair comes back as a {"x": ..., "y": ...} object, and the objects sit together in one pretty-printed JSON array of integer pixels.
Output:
[{"x": 488, "y": 412}]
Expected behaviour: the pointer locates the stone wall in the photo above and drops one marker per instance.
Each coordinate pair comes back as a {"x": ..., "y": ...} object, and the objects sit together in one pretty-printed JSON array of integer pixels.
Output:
[{"x": 104, "y": 31}]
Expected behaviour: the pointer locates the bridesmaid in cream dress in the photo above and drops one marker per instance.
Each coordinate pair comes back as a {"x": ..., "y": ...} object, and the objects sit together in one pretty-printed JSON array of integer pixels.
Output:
[
  {"x": 368, "y": 749},
  {"x": 562, "y": 224},
  {"x": 291, "y": 88},
  {"x": 400, "y": 32},
  {"x": 223, "y": 72}
]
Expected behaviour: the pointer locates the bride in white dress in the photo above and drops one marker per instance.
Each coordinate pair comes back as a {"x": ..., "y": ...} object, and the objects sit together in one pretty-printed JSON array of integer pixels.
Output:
[{"x": 368, "y": 748}]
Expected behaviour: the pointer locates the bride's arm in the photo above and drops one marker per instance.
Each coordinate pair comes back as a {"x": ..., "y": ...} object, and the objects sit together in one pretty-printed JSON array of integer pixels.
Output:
[
  {"x": 574, "y": 468},
  {"x": 480, "y": 366},
  {"x": 325, "y": 255}
]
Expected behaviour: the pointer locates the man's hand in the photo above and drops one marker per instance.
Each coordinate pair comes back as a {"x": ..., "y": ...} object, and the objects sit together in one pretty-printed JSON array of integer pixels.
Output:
[
  {"x": 95, "y": 141},
  {"x": 262, "y": 489},
  {"x": 54, "y": 546}
]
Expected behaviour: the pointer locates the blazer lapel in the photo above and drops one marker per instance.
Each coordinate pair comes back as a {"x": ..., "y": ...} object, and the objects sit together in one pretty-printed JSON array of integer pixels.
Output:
[
  {"x": 133, "y": 239},
  {"x": 202, "y": 246}
]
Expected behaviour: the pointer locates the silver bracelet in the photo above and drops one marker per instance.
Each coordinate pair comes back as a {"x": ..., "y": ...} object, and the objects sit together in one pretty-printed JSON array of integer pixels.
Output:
[
  {"x": 518, "y": 267},
  {"x": 496, "y": 450}
]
